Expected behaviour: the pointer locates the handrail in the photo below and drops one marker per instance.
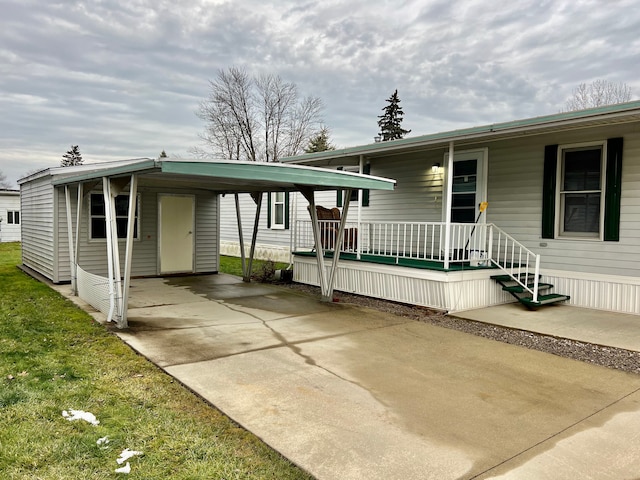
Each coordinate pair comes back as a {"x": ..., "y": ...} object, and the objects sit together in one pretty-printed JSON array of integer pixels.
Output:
[{"x": 476, "y": 244}]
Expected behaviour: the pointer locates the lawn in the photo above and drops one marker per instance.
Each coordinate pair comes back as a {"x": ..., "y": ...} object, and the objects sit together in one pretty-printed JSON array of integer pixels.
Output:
[{"x": 55, "y": 357}]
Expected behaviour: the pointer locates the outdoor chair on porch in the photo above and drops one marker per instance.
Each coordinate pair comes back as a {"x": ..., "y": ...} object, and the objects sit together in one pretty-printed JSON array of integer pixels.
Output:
[{"x": 329, "y": 219}]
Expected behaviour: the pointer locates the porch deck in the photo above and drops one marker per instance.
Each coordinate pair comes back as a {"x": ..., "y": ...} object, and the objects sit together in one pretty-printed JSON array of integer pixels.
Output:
[{"x": 401, "y": 261}]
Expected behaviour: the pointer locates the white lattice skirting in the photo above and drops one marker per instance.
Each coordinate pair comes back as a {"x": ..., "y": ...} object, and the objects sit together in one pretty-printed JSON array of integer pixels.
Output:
[{"x": 94, "y": 290}]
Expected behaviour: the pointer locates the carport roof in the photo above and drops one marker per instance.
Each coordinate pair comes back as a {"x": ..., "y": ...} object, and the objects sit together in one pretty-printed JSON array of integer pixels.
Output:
[{"x": 223, "y": 176}]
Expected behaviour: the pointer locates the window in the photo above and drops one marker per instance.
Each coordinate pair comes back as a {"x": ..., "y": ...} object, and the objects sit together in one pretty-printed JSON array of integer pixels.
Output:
[
  {"x": 13, "y": 217},
  {"x": 463, "y": 195},
  {"x": 278, "y": 213},
  {"x": 580, "y": 191},
  {"x": 366, "y": 170},
  {"x": 582, "y": 188},
  {"x": 98, "y": 223}
]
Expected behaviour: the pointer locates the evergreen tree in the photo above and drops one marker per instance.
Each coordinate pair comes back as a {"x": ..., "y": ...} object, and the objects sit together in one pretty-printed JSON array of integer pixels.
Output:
[
  {"x": 390, "y": 120},
  {"x": 72, "y": 157},
  {"x": 319, "y": 142},
  {"x": 163, "y": 154}
]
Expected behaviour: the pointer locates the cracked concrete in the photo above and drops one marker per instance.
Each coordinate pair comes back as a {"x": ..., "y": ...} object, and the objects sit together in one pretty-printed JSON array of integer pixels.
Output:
[{"x": 351, "y": 393}]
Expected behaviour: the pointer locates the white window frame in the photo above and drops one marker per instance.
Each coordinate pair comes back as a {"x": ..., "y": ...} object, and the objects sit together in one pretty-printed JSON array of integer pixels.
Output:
[
  {"x": 560, "y": 193},
  {"x": 482, "y": 174},
  {"x": 11, "y": 217},
  {"x": 274, "y": 204},
  {"x": 120, "y": 239}
]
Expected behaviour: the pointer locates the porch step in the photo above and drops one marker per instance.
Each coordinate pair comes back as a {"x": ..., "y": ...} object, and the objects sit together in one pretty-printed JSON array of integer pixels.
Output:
[
  {"x": 544, "y": 300},
  {"x": 517, "y": 288},
  {"x": 509, "y": 284}
]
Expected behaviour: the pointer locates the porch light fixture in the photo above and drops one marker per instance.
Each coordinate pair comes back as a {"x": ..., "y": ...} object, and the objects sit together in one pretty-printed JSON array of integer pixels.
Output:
[{"x": 435, "y": 168}]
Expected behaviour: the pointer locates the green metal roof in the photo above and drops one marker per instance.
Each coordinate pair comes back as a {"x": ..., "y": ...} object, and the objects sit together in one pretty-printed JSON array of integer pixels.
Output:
[
  {"x": 228, "y": 176},
  {"x": 559, "y": 121}
]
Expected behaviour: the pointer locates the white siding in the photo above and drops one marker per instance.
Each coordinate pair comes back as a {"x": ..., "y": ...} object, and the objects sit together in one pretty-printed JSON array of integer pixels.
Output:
[
  {"x": 37, "y": 219},
  {"x": 9, "y": 201},
  {"x": 207, "y": 241}
]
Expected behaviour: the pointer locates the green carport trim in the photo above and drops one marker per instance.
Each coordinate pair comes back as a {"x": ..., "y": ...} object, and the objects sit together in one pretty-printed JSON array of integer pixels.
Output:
[{"x": 277, "y": 173}]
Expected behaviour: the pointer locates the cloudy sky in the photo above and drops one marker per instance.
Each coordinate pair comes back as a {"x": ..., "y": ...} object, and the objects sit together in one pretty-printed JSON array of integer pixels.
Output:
[{"x": 122, "y": 79}]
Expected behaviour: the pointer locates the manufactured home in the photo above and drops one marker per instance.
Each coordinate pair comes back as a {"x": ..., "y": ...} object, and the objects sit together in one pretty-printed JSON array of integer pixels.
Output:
[
  {"x": 98, "y": 225},
  {"x": 544, "y": 210},
  {"x": 9, "y": 215}
]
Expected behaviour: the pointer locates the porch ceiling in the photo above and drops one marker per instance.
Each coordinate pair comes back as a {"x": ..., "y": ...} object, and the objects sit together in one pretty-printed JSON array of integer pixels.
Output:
[{"x": 230, "y": 176}]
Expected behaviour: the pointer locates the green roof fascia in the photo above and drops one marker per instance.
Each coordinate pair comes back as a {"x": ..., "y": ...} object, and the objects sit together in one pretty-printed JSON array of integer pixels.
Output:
[
  {"x": 131, "y": 168},
  {"x": 279, "y": 173},
  {"x": 467, "y": 133}
]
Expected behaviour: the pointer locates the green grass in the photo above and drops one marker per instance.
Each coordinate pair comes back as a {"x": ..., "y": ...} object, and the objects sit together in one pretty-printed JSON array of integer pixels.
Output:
[
  {"x": 54, "y": 357},
  {"x": 233, "y": 266}
]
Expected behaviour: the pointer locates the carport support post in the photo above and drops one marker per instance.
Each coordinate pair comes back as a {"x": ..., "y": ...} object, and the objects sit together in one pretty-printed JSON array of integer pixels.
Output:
[
  {"x": 309, "y": 194},
  {"x": 240, "y": 234},
  {"x": 106, "y": 192},
  {"x": 338, "y": 245},
  {"x": 449, "y": 192},
  {"x": 70, "y": 240},
  {"x": 131, "y": 220},
  {"x": 76, "y": 260},
  {"x": 257, "y": 197}
]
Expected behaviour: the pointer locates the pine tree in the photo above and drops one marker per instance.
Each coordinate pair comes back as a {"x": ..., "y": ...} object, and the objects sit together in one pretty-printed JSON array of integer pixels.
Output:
[
  {"x": 390, "y": 121},
  {"x": 319, "y": 142},
  {"x": 163, "y": 154},
  {"x": 72, "y": 157}
]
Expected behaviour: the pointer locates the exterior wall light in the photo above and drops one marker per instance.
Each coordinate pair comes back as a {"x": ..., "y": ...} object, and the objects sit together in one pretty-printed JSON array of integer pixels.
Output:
[{"x": 435, "y": 168}]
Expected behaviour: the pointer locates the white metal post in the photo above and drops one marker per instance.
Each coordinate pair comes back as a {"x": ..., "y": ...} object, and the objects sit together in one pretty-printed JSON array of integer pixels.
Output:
[
  {"x": 535, "y": 281},
  {"x": 131, "y": 219},
  {"x": 78, "y": 220},
  {"x": 106, "y": 193},
  {"x": 338, "y": 244},
  {"x": 70, "y": 239},
  {"x": 257, "y": 197},
  {"x": 359, "y": 229},
  {"x": 240, "y": 234},
  {"x": 449, "y": 193}
]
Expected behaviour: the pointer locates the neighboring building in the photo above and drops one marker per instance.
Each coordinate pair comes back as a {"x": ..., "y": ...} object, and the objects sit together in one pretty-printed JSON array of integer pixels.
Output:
[
  {"x": 563, "y": 190},
  {"x": 9, "y": 215}
]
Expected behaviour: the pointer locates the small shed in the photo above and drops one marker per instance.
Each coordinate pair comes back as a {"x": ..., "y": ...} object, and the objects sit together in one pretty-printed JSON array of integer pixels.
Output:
[
  {"x": 9, "y": 215},
  {"x": 97, "y": 225}
]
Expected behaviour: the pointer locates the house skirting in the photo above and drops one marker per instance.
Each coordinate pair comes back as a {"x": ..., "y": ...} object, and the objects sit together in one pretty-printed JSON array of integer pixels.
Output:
[
  {"x": 612, "y": 293},
  {"x": 449, "y": 291},
  {"x": 276, "y": 253}
]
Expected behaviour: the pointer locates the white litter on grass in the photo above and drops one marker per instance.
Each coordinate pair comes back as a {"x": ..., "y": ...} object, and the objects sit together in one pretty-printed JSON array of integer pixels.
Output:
[
  {"x": 125, "y": 469},
  {"x": 103, "y": 442},
  {"x": 126, "y": 455},
  {"x": 80, "y": 415}
]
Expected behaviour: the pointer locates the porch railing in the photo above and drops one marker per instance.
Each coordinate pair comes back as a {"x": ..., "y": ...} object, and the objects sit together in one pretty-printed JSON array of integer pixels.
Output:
[{"x": 477, "y": 245}]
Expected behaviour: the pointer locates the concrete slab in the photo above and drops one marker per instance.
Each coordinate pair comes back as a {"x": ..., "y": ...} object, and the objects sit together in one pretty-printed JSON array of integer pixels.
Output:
[
  {"x": 346, "y": 392},
  {"x": 610, "y": 329}
]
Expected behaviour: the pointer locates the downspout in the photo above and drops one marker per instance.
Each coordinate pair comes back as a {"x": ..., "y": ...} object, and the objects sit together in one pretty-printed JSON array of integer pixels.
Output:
[
  {"x": 106, "y": 192},
  {"x": 70, "y": 240},
  {"x": 128, "y": 258},
  {"x": 449, "y": 193}
]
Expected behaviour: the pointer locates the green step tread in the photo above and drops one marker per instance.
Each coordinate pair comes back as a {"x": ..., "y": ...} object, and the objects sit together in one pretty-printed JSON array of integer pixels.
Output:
[
  {"x": 520, "y": 288},
  {"x": 545, "y": 299},
  {"x": 506, "y": 278}
]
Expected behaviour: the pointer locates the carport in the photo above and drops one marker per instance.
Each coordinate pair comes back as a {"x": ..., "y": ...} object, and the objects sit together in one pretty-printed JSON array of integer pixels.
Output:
[{"x": 111, "y": 294}]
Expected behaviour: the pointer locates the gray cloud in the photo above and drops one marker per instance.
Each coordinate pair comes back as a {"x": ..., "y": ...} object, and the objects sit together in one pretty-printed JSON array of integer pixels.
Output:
[{"x": 123, "y": 79}]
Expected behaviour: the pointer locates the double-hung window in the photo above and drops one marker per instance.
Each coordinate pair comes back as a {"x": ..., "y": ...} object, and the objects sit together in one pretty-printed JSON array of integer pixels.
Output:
[
  {"x": 13, "y": 217},
  {"x": 278, "y": 213},
  {"x": 98, "y": 219},
  {"x": 581, "y": 191}
]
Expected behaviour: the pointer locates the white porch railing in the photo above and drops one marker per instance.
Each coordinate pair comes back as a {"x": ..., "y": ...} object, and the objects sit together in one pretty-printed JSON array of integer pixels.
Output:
[{"x": 476, "y": 244}]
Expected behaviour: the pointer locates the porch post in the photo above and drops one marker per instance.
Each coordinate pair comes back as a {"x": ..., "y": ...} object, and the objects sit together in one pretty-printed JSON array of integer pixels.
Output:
[
  {"x": 240, "y": 234},
  {"x": 133, "y": 193},
  {"x": 449, "y": 193},
  {"x": 359, "y": 230},
  {"x": 70, "y": 240},
  {"x": 338, "y": 245}
]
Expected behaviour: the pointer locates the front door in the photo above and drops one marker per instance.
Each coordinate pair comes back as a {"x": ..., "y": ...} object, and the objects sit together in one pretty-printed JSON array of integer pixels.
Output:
[
  {"x": 468, "y": 186},
  {"x": 176, "y": 214}
]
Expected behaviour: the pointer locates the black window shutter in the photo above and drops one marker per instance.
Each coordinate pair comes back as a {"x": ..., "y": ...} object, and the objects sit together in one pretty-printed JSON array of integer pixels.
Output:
[
  {"x": 365, "y": 193},
  {"x": 549, "y": 191},
  {"x": 286, "y": 210},
  {"x": 613, "y": 190},
  {"x": 268, "y": 209}
]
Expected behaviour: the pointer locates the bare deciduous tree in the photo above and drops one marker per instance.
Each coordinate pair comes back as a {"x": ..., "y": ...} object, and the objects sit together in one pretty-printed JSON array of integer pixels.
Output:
[
  {"x": 598, "y": 94},
  {"x": 256, "y": 119},
  {"x": 4, "y": 183}
]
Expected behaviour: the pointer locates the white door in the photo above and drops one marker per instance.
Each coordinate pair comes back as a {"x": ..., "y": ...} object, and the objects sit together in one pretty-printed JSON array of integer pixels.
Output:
[
  {"x": 176, "y": 233},
  {"x": 468, "y": 186}
]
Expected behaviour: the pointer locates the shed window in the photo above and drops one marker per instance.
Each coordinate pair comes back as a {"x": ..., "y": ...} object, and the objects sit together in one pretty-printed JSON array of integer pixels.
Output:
[
  {"x": 98, "y": 223},
  {"x": 278, "y": 213},
  {"x": 13, "y": 217}
]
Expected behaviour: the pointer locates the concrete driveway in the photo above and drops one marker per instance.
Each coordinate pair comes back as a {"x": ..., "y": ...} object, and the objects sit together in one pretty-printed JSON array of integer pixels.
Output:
[{"x": 351, "y": 393}]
